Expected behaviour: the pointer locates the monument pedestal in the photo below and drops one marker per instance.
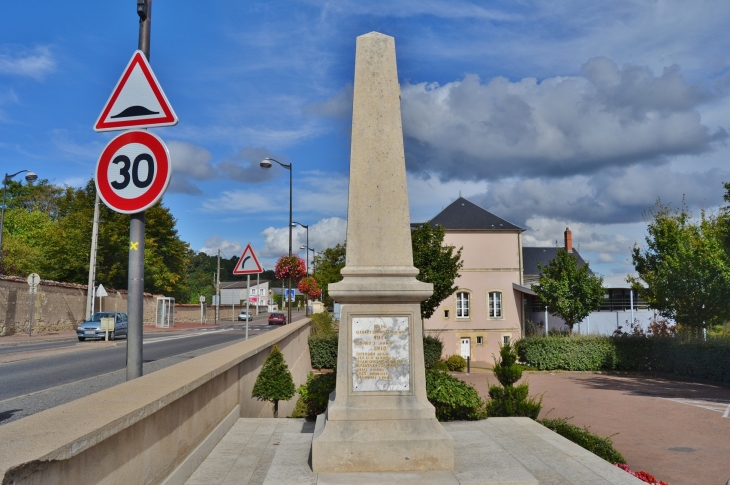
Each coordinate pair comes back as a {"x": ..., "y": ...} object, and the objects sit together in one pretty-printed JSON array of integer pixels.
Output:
[{"x": 381, "y": 420}]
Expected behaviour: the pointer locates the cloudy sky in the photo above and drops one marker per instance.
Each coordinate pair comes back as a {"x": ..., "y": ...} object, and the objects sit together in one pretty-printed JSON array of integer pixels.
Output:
[{"x": 547, "y": 113}]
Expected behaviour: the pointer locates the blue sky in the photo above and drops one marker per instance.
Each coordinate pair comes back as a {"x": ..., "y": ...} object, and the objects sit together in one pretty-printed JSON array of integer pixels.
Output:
[{"x": 547, "y": 113}]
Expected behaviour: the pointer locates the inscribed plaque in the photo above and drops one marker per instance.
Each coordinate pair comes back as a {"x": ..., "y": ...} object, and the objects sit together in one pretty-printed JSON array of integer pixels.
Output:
[{"x": 380, "y": 354}]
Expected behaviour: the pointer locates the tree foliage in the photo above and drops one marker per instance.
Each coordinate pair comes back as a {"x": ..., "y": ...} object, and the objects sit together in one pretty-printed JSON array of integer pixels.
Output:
[
  {"x": 685, "y": 266},
  {"x": 510, "y": 400},
  {"x": 570, "y": 292},
  {"x": 327, "y": 267},
  {"x": 437, "y": 264},
  {"x": 274, "y": 383},
  {"x": 48, "y": 230}
]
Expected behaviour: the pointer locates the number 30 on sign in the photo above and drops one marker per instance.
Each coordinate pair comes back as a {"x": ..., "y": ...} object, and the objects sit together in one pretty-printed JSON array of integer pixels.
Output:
[{"x": 133, "y": 172}]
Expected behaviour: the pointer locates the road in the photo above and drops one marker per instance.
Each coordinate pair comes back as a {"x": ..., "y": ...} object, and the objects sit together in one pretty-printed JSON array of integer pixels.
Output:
[{"x": 52, "y": 373}]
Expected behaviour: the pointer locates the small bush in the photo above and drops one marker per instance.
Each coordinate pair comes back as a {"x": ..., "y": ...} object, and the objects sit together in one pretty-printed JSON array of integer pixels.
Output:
[
  {"x": 602, "y": 447},
  {"x": 314, "y": 395},
  {"x": 432, "y": 348},
  {"x": 274, "y": 383},
  {"x": 456, "y": 363},
  {"x": 440, "y": 365},
  {"x": 322, "y": 324},
  {"x": 508, "y": 400},
  {"x": 580, "y": 353},
  {"x": 323, "y": 350},
  {"x": 453, "y": 398}
]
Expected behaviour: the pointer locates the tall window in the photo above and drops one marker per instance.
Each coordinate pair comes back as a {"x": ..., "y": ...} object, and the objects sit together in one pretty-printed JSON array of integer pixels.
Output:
[
  {"x": 462, "y": 305},
  {"x": 495, "y": 304}
]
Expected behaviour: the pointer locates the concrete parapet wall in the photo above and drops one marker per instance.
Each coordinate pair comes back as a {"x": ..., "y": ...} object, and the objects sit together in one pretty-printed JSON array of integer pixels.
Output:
[{"x": 148, "y": 430}]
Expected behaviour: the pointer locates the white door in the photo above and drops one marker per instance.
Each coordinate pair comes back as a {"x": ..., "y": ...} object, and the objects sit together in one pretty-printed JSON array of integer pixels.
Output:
[{"x": 466, "y": 347}]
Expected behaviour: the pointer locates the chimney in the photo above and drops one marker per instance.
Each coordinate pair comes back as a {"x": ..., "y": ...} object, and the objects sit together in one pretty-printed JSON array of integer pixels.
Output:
[{"x": 568, "y": 240}]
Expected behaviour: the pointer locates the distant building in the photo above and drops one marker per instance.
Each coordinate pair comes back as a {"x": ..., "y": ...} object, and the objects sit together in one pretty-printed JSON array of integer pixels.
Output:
[
  {"x": 494, "y": 300},
  {"x": 236, "y": 292}
]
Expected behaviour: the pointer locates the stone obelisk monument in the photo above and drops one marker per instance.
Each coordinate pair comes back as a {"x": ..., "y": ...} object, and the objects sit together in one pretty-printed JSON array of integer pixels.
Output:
[{"x": 379, "y": 418}]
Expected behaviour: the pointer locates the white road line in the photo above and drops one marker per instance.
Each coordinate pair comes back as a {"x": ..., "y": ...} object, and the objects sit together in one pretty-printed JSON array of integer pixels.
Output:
[
  {"x": 176, "y": 337},
  {"x": 709, "y": 405},
  {"x": 727, "y": 412}
]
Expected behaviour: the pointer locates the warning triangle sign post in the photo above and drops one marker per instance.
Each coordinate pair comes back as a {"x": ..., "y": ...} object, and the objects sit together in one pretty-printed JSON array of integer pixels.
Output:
[
  {"x": 248, "y": 263},
  {"x": 137, "y": 100}
]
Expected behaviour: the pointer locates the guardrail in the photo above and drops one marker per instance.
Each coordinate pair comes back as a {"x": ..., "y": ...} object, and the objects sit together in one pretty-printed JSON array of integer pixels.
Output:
[{"x": 154, "y": 429}]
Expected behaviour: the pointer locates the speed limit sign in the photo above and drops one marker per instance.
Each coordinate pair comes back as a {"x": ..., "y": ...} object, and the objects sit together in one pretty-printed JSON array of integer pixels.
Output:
[{"x": 133, "y": 172}]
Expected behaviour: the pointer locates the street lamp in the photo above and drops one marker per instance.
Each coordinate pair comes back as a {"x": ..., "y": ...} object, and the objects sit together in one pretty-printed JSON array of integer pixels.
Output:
[
  {"x": 30, "y": 177},
  {"x": 306, "y": 306},
  {"x": 314, "y": 263},
  {"x": 266, "y": 164}
]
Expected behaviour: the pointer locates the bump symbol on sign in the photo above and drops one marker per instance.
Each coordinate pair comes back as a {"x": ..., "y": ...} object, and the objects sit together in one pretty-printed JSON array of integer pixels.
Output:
[{"x": 134, "y": 245}]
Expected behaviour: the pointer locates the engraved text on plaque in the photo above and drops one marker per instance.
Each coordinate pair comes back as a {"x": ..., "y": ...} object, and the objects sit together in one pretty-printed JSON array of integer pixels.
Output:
[{"x": 380, "y": 354}]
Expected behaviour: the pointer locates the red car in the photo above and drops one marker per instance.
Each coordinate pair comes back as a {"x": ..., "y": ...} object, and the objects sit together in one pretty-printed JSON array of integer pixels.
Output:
[{"x": 277, "y": 319}]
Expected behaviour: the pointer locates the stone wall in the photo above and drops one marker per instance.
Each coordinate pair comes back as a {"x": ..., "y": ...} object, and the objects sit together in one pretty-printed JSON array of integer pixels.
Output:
[
  {"x": 57, "y": 306},
  {"x": 190, "y": 313}
]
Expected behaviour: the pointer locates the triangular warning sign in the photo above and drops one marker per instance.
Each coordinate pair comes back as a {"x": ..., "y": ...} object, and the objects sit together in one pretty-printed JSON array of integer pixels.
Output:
[
  {"x": 137, "y": 100},
  {"x": 248, "y": 263}
]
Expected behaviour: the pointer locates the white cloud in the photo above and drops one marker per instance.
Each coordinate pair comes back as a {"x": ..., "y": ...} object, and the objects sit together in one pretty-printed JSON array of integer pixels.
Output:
[
  {"x": 607, "y": 117},
  {"x": 21, "y": 61},
  {"x": 324, "y": 234},
  {"x": 228, "y": 248},
  {"x": 189, "y": 162}
]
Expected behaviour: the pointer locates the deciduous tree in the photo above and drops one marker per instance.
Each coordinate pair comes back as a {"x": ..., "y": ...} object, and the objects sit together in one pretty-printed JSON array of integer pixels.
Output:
[{"x": 569, "y": 291}]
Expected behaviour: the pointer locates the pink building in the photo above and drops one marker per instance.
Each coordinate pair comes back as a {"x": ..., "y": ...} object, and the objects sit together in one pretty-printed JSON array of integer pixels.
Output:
[{"x": 486, "y": 310}]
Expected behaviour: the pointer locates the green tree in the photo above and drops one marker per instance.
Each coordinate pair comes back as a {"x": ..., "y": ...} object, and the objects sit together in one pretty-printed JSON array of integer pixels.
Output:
[
  {"x": 570, "y": 292},
  {"x": 274, "y": 383},
  {"x": 328, "y": 265},
  {"x": 509, "y": 400},
  {"x": 685, "y": 266},
  {"x": 437, "y": 264}
]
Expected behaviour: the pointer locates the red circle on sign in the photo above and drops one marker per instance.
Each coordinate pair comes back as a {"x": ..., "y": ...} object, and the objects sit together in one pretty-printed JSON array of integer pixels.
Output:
[{"x": 156, "y": 188}]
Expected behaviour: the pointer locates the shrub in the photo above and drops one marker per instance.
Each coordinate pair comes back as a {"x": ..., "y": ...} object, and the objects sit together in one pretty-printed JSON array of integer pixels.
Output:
[
  {"x": 440, "y": 365},
  {"x": 314, "y": 395},
  {"x": 602, "y": 447},
  {"x": 432, "y": 348},
  {"x": 509, "y": 400},
  {"x": 323, "y": 350},
  {"x": 692, "y": 358},
  {"x": 322, "y": 324},
  {"x": 274, "y": 383},
  {"x": 456, "y": 363},
  {"x": 453, "y": 398}
]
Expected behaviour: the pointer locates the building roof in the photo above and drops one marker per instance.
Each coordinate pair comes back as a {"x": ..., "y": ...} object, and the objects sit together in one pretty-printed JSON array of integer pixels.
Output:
[
  {"x": 462, "y": 215},
  {"x": 532, "y": 256},
  {"x": 230, "y": 285}
]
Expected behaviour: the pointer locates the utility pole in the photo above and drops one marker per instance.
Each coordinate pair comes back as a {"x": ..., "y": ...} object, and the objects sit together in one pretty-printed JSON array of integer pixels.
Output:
[
  {"x": 92, "y": 260},
  {"x": 218, "y": 289},
  {"x": 135, "y": 282}
]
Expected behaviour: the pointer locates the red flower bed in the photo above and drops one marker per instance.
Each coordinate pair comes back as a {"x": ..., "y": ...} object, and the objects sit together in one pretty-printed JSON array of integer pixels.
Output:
[{"x": 643, "y": 476}]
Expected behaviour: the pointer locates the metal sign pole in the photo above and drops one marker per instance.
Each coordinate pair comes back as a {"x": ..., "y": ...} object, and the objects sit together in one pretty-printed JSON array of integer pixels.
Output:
[
  {"x": 248, "y": 297},
  {"x": 135, "y": 275},
  {"x": 30, "y": 319}
]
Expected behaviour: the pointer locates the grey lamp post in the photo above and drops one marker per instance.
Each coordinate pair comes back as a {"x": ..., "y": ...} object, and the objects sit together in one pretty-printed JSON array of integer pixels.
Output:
[
  {"x": 30, "y": 177},
  {"x": 314, "y": 264},
  {"x": 266, "y": 164},
  {"x": 306, "y": 297}
]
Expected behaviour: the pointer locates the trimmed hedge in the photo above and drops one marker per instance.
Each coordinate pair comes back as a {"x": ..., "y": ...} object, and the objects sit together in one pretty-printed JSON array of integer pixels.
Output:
[
  {"x": 698, "y": 359},
  {"x": 456, "y": 363},
  {"x": 323, "y": 351},
  {"x": 597, "y": 445}
]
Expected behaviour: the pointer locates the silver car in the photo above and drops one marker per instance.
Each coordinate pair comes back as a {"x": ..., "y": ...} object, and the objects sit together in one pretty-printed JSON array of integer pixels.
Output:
[
  {"x": 242, "y": 316},
  {"x": 91, "y": 328}
]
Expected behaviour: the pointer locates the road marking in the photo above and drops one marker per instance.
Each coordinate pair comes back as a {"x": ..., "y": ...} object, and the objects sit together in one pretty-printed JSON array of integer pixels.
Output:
[
  {"x": 718, "y": 407},
  {"x": 177, "y": 337}
]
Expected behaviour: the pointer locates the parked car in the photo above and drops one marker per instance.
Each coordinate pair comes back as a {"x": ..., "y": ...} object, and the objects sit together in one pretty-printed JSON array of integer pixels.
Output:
[
  {"x": 91, "y": 328},
  {"x": 277, "y": 319},
  {"x": 242, "y": 316}
]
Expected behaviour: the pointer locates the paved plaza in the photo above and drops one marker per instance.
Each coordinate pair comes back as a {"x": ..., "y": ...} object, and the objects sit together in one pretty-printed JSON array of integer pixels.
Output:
[{"x": 678, "y": 431}]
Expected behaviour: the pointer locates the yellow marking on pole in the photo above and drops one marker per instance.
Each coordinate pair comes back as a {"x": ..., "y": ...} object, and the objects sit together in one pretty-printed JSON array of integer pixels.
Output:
[{"x": 134, "y": 245}]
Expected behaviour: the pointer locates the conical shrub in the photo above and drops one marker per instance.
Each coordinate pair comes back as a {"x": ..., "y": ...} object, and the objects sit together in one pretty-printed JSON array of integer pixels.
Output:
[
  {"x": 274, "y": 383},
  {"x": 509, "y": 400}
]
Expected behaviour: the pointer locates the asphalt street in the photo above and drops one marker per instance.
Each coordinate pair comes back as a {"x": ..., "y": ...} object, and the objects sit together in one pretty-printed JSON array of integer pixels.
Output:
[{"x": 33, "y": 385}]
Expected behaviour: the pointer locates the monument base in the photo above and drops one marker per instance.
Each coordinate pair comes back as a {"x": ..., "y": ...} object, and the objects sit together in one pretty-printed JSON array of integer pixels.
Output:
[{"x": 381, "y": 446}]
